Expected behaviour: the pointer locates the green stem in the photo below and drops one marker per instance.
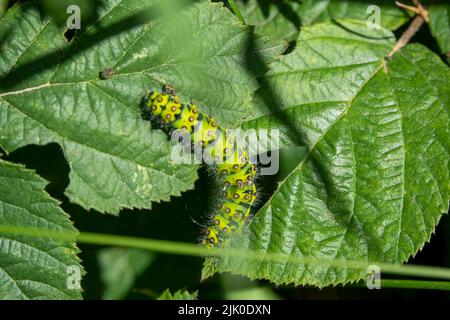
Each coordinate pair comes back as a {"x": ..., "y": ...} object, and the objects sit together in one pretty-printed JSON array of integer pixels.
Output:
[
  {"x": 196, "y": 250},
  {"x": 416, "y": 284},
  {"x": 189, "y": 249},
  {"x": 170, "y": 247},
  {"x": 409, "y": 284},
  {"x": 236, "y": 11}
]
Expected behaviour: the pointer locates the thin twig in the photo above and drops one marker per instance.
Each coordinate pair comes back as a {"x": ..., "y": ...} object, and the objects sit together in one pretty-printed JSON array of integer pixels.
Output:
[
  {"x": 418, "y": 8},
  {"x": 406, "y": 7},
  {"x": 419, "y": 19},
  {"x": 407, "y": 35},
  {"x": 423, "y": 12}
]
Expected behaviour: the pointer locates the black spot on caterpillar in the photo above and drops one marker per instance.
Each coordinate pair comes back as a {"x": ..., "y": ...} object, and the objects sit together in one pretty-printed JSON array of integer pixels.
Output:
[{"x": 235, "y": 174}]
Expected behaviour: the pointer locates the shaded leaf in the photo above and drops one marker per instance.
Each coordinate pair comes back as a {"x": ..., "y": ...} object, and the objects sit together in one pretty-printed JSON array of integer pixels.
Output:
[
  {"x": 440, "y": 26},
  {"x": 119, "y": 268},
  {"x": 282, "y": 19}
]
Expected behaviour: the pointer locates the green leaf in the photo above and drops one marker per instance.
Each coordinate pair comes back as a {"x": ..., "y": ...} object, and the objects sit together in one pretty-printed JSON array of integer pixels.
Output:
[
  {"x": 374, "y": 181},
  {"x": 119, "y": 268},
  {"x": 33, "y": 267},
  {"x": 323, "y": 10},
  {"x": 50, "y": 91},
  {"x": 282, "y": 19},
  {"x": 178, "y": 295},
  {"x": 440, "y": 26}
]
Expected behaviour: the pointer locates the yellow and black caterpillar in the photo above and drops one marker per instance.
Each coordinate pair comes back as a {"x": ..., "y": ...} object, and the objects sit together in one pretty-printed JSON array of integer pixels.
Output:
[{"x": 235, "y": 174}]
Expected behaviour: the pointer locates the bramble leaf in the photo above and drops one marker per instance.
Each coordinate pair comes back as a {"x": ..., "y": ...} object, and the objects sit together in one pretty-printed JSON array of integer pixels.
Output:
[
  {"x": 34, "y": 267},
  {"x": 374, "y": 181}
]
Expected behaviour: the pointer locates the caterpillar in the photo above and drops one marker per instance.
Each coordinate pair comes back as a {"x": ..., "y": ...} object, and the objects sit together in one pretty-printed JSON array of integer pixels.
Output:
[{"x": 232, "y": 169}]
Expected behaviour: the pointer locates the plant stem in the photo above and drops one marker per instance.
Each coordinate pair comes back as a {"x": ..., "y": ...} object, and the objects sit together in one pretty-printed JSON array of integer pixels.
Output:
[
  {"x": 145, "y": 244},
  {"x": 407, "y": 35},
  {"x": 419, "y": 19},
  {"x": 171, "y": 247},
  {"x": 236, "y": 11},
  {"x": 408, "y": 284},
  {"x": 416, "y": 284}
]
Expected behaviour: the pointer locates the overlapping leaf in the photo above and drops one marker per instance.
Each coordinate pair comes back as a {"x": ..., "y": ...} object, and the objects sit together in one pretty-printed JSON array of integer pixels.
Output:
[
  {"x": 119, "y": 268},
  {"x": 282, "y": 19}
]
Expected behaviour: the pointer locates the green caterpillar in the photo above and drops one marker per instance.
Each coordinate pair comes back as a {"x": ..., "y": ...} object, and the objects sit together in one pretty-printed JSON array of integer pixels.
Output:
[{"x": 235, "y": 174}]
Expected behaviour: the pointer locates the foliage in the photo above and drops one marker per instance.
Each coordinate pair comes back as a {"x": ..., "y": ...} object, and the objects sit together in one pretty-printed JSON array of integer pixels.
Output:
[{"x": 33, "y": 267}]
